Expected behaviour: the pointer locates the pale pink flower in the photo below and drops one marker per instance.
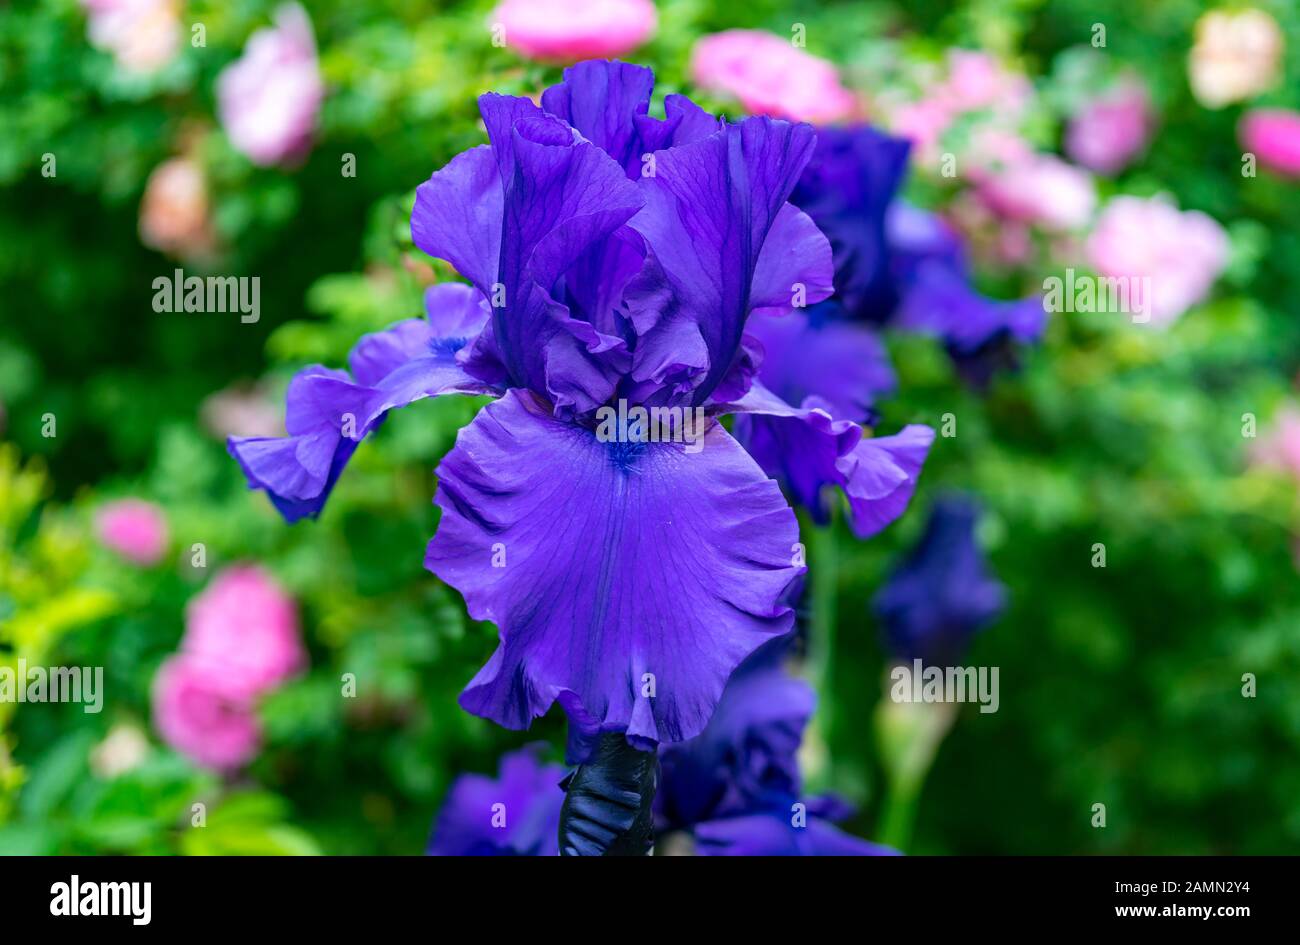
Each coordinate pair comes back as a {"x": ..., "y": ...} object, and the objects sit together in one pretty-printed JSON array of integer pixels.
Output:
[
  {"x": 135, "y": 529},
  {"x": 1182, "y": 252},
  {"x": 241, "y": 411},
  {"x": 570, "y": 30},
  {"x": 1111, "y": 130},
  {"x": 1279, "y": 448},
  {"x": 123, "y": 750},
  {"x": 196, "y": 715},
  {"x": 269, "y": 99},
  {"x": 1236, "y": 56},
  {"x": 142, "y": 35},
  {"x": 1040, "y": 189},
  {"x": 922, "y": 122},
  {"x": 245, "y": 627},
  {"x": 174, "y": 212},
  {"x": 977, "y": 81},
  {"x": 1273, "y": 136},
  {"x": 769, "y": 75}
]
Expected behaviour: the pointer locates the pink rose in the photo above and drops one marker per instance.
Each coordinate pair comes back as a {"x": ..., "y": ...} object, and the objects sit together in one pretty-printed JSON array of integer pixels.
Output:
[
  {"x": 245, "y": 627},
  {"x": 135, "y": 529},
  {"x": 1111, "y": 130},
  {"x": 1273, "y": 135},
  {"x": 570, "y": 30},
  {"x": 771, "y": 76},
  {"x": 269, "y": 99},
  {"x": 142, "y": 35},
  {"x": 977, "y": 81},
  {"x": 197, "y": 716},
  {"x": 174, "y": 210},
  {"x": 1183, "y": 252},
  {"x": 1041, "y": 189}
]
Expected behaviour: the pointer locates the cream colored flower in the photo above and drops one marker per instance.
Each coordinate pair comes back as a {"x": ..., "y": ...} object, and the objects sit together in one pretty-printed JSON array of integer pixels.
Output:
[{"x": 1236, "y": 56}]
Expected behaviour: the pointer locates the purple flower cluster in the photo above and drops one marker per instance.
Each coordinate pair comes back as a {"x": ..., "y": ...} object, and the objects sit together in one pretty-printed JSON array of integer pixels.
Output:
[{"x": 612, "y": 258}]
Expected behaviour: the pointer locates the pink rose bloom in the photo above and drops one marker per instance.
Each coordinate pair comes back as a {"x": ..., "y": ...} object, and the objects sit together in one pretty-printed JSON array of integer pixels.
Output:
[
  {"x": 922, "y": 122},
  {"x": 1040, "y": 189},
  {"x": 142, "y": 35},
  {"x": 1182, "y": 252},
  {"x": 196, "y": 716},
  {"x": 174, "y": 210},
  {"x": 1280, "y": 448},
  {"x": 135, "y": 529},
  {"x": 245, "y": 627},
  {"x": 977, "y": 81},
  {"x": 570, "y": 30},
  {"x": 1273, "y": 136},
  {"x": 1111, "y": 130},
  {"x": 771, "y": 76},
  {"x": 269, "y": 99}
]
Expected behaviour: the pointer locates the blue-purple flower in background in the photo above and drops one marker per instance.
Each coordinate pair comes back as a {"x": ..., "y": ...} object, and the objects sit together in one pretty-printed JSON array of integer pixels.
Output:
[
  {"x": 613, "y": 258},
  {"x": 943, "y": 593},
  {"x": 515, "y": 814},
  {"x": 901, "y": 266},
  {"x": 736, "y": 788}
]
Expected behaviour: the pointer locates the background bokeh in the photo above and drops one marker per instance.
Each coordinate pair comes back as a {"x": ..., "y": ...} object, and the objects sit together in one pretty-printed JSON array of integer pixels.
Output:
[{"x": 1120, "y": 685}]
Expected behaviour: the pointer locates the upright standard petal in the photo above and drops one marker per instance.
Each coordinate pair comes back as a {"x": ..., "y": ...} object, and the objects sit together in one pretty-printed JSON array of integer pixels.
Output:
[
  {"x": 710, "y": 207},
  {"x": 627, "y": 580}
]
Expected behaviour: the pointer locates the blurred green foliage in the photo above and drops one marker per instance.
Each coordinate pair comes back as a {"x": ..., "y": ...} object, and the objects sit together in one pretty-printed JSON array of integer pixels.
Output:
[{"x": 1119, "y": 685}]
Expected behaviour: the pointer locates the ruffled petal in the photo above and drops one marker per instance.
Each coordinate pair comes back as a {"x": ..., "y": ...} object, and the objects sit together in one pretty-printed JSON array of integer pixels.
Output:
[
  {"x": 614, "y": 561},
  {"x": 879, "y": 476},
  {"x": 806, "y": 449},
  {"x": 328, "y": 412}
]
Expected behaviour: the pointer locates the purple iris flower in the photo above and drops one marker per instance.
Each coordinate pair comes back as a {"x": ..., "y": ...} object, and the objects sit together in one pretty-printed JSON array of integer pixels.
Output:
[
  {"x": 899, "y": 265},
  {"x": 515, "y": 814},
  {"x": 736, "y": 787},
  {"x": 943, "y": 593},
  {"x": 613, "y": 258}
]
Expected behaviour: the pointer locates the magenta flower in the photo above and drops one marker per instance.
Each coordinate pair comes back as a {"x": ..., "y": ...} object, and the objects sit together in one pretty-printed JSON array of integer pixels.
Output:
[
  {"x": 628, "y": 576},
  {"x": 1273, "y": 135},
  {"x": 1182, "y": 252},
  {"x": 134, "y": 528},
  {"x": 269, "y": 99},
  {"x": 197, "y": 715},
  {"x": 570, "y": 30},
  {"x": 245, "y": 625},
  {"x": 771, "y": 76},
  {"x": 1111, "y": 130}
]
